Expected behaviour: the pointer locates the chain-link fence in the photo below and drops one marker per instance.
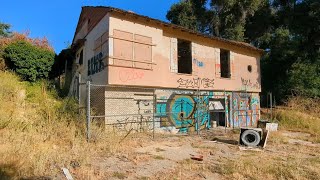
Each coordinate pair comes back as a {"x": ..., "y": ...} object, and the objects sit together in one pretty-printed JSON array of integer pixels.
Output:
[
  {"x": 148, "y": 110},
  {"x": 124, "y": 108},
  {"x": 141, "y": 109}
]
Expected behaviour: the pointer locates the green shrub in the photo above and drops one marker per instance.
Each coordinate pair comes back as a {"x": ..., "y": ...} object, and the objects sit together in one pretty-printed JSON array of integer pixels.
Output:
[{"x": 29, "y": 61}]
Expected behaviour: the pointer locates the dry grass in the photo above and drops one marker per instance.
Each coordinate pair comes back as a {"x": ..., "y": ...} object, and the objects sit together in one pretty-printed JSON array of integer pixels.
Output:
[
  {"x": 265, "y": 167},
  {"x": 38, "y": 138},
  {"x": 298, "y": 121},
  {"x": 304, "y": 104}
]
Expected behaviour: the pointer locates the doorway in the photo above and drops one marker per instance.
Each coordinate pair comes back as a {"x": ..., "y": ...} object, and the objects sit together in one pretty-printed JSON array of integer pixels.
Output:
[
  {"x": 217, "y": 111},
  {"x": 219, "y": 117}
]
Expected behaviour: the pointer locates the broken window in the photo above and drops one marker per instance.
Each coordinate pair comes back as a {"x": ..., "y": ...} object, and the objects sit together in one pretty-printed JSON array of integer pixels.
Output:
[
  {"x": 225, "y": 63},
  {"x": 184, "y": 57},
  {"x": 81, "y": 58}
]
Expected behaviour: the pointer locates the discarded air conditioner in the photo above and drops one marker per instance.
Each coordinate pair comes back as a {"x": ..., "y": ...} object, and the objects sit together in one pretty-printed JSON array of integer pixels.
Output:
[{"x": 253, "y": 137}]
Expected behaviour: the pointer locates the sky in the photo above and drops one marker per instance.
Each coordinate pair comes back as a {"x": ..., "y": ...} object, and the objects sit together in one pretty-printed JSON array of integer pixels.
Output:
[{"x": 57, "y": 19}]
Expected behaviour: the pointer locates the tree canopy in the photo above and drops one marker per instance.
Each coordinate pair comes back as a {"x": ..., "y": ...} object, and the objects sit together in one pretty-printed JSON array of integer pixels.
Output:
[
  {"x": 288, "y": 30},
  {"x": 29, "y": 61},
  {"x": 4, "y": 30}
]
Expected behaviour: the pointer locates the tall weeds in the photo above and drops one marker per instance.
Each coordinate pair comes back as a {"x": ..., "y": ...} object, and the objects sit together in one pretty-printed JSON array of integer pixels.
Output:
[{"x": 40, "y": 134}]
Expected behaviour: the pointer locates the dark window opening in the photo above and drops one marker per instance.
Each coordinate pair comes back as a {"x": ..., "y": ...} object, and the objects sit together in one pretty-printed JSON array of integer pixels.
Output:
[
  {"x": 250, "y": 68},
  {"x": 225, "y": 63},
  {"x": 184, "y": 57},
  {"x": 81, "y": 58}
]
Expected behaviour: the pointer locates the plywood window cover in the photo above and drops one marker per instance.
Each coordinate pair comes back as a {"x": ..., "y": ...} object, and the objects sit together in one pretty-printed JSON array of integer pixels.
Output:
[
  {"x": 133, "y": 41},
  {"x": 102, "y": 42},
  {"x": 141, "y": 61},
  {"x": 143, "y": 45},
  {"x": 126, "y": 48}
]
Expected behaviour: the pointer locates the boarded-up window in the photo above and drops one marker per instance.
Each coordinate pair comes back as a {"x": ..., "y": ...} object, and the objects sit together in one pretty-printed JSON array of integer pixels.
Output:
[
  {"x": 142, "y": 48},
  {"x": 101, "y": 45},
  {"x": 122, "y": 44},
  {"x": 132, "y": 50}
]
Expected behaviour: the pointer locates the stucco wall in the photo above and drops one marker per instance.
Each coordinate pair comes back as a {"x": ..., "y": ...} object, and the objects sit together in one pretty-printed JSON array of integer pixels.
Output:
[
  {"x": 108, "y": 42},
  {"x": 205, "y": 54},
  {"x": 98, "y": 62}
]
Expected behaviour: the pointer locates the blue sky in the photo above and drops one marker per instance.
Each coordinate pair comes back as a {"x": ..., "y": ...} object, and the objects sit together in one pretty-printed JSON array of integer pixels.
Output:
[{"x": 57, "y": 19}]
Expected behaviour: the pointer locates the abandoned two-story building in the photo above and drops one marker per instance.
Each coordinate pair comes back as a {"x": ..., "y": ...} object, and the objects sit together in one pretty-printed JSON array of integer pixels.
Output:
[{"x": 181, "y": 77}]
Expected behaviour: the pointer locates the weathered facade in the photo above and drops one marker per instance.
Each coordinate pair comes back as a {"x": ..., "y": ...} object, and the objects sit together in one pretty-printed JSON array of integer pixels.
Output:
[{"x": 179, "y": 75}]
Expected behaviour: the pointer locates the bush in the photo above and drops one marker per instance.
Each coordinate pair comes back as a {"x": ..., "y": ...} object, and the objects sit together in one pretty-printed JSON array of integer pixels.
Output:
[
  {"x": 29, "y": 61},
  {"x": 305, "y": 79}
]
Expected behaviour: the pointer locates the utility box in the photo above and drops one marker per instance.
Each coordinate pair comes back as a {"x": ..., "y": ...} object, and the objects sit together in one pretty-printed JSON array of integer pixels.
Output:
[{"x": 272, "y": 126}]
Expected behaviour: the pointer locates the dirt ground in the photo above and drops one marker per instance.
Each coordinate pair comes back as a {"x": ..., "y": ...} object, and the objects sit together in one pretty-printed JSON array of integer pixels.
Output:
[{"x": 169, "y": 157}]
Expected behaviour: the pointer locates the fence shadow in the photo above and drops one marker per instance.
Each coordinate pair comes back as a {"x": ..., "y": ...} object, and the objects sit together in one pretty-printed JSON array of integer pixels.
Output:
[{"x": 226, "y": 141}]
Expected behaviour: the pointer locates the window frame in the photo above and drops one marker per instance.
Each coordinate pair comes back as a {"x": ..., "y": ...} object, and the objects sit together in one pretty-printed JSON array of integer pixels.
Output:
[
  {"x": 227, "y": 74},
  {"x": 189, "y": 64}
]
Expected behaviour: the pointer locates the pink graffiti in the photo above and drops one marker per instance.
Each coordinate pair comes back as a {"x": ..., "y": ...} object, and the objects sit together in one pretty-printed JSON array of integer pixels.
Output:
[{"x": 126, "y": 75}]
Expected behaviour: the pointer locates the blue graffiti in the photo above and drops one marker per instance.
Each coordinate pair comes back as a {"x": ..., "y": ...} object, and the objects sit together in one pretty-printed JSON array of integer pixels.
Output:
[
  {"x": 198, "y": 63},
  {"x": 183, "y": 111}
]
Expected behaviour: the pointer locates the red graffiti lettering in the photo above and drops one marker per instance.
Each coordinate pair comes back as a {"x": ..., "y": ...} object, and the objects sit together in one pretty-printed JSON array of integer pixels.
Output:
[{"x": 126, "y": 75}]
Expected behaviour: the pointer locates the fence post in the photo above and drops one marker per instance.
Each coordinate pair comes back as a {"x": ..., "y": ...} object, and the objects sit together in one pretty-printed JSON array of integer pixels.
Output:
[
  {"x": 88, "y": 111},
  {"x": 271, "y": 106},
  {"x": 154, "y": 111}
]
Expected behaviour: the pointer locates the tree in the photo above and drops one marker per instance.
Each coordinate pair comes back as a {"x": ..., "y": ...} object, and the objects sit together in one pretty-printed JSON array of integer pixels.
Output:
[
  {"x": 222, "y": 18},
  {"x": 65, "y": 57},
  {"x": 304, "y": 79},
  {"x": 288, "y": 30},
  {"x": 183, "y": 14},
  {"x": 4, "y": 30},
  {"x": 29, "y": 61}
]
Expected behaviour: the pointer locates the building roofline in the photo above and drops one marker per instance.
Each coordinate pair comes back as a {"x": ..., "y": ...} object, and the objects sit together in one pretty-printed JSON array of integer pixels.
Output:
[{"x": 166, "y": 24}]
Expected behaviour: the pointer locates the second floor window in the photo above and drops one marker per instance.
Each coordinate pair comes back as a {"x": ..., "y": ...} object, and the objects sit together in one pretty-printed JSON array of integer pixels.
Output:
[
  {"x": 225, "y": 63},
  {"x": 184, "y": 57},
  {"x": 81, "y": 58}
]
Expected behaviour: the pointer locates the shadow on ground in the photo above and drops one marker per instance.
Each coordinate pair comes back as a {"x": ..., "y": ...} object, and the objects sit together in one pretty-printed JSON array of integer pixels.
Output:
[
  {"x": 7, "y": 171},
  {"x": 227, "y": 141}
]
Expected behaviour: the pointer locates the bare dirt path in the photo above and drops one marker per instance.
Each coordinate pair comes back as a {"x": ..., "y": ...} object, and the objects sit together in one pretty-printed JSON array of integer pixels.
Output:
[{"x": 169, "y": 157}]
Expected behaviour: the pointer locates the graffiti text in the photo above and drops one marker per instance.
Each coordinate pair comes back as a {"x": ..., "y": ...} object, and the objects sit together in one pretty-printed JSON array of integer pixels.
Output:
[
  {"x": 126, "y": 75},
  {"x": 95, "y": 64},
  {"x": 247, "y": 83},
  {"x": 196, "y": 83}
]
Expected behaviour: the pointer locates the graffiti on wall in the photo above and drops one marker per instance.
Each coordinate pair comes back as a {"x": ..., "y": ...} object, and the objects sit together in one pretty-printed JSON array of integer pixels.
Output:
[
  {"x": 95, "y": 64},
  {"x": 183, "y": 108},
  {"x": 134, "y": 123},
  {"x": 198, "y": 63},
  {"x": 195, "y": 83},
  {"x": 246, "y": 109},
  {"x": 126, "y": 75},
  {"x": 247, "y": 83},
  {"x": 183, "y": 111}
]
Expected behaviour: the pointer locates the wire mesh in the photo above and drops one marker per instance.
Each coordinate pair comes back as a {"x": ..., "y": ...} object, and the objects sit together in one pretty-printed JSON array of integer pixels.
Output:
[
  {"x": 125, "y": 108},
  {"x": 146, "y": 109}
]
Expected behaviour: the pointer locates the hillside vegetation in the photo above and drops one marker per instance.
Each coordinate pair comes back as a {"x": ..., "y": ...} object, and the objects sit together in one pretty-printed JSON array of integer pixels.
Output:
[{"x": 40, "y": 133}]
